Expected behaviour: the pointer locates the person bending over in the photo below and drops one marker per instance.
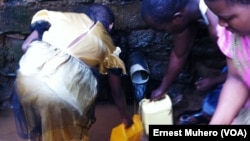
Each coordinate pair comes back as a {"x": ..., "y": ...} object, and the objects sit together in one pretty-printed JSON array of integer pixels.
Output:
[
  {"x": 55, "y": 83},
  {"x": 178, "y": 18}
]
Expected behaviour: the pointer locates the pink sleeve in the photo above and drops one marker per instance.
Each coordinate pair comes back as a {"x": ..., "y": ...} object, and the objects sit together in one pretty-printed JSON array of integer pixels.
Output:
[{"x": 225, "y": 39}]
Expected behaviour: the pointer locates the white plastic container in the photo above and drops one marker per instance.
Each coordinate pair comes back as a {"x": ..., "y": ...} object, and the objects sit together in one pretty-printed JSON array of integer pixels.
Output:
[{"x": 156, "y": 112}]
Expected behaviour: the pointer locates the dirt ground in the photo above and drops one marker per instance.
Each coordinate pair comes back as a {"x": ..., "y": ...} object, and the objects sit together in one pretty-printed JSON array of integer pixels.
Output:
[{"x": 106, "y": 113}]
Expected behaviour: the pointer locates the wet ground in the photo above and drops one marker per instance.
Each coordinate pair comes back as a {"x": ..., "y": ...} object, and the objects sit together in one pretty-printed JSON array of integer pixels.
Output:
[
  {"x": 107, "y": 117},
  {"x": 106, "y": 113}
]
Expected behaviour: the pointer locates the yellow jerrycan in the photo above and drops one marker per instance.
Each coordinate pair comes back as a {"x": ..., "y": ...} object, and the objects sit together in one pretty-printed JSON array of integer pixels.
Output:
[
  {"x": 156, "y": 112},
  {"x": 133, "y": 133}
]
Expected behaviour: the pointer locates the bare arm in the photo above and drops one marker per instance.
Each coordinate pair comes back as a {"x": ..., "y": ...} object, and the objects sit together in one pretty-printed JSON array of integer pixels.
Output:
[
  {"x": 210, "y": 82},
  {"x": 119, "y": 98},
  {"x": 213, "y": 22},
  {"x": 33, "y": 36},
  {"x": 178, "y": 57},
  {"x": 231, "y": 99}
]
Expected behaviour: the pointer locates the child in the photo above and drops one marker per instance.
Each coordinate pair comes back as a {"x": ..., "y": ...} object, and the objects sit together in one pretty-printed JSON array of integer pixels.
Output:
[
  {"x": 203, "y": 116},
  {"x": 179, "y": 18},
  {"x": 234, "y": 42}
]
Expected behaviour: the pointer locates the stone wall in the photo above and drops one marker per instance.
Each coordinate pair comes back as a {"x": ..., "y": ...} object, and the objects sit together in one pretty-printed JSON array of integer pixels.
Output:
[{"x": 131, "y": 34}]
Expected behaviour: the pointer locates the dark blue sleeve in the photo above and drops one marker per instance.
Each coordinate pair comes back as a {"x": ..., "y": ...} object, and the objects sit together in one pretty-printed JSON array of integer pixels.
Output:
[{"x": 40, "y": 26}]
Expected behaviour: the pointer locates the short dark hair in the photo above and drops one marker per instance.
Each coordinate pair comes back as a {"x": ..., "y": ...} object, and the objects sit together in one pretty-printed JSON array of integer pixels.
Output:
[
  {"x": 161, "y": 11},
  {"x": 231, "y": 2},
  {"x": 101, "y": 13}
]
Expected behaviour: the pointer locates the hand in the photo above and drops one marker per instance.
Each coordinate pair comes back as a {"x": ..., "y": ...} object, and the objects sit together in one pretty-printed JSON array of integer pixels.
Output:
[
  {"x": 204, "y": 84},
  {"x": 157, "y": 94},
  {"x": 127, "y": 121}
]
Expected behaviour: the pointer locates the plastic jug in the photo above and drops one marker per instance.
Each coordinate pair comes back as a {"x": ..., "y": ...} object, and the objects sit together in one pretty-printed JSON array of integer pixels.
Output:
[
  {"x": 133, "y": 133},
  {"x": 156, "y": 112}
]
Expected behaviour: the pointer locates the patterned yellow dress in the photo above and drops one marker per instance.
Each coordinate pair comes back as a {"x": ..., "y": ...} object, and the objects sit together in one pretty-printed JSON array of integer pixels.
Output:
[{"x": 55, "y": 84}]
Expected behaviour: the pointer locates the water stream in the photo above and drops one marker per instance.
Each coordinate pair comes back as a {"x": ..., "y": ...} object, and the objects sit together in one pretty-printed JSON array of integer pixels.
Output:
[{"x": 139, "y": 91}]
